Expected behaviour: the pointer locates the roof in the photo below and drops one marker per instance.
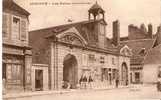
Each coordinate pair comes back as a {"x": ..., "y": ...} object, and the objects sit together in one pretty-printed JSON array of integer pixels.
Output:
[
  {"x": 153, "y": 56},
  {"x": 136, "y": 60},
  {"x": 137, "y": 46},
  {"x": 85, "y": 28},
  {"x": 10, "y": 4},
  {"x": 89, "y": 36}
]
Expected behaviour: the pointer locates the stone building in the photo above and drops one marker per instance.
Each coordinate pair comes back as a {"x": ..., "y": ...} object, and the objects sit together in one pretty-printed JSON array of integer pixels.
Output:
[
  {"x": 152, "y": 61},
  {"x": 140, "y": 40},
  {"x": 81, "y": 48},
  {"x": 16, "y": 57}
]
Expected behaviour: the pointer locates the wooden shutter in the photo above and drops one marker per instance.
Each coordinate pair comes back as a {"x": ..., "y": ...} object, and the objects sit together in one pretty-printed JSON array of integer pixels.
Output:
[
  {"x": 23, "y": 29},
  {"x": 5, "y": 25}
]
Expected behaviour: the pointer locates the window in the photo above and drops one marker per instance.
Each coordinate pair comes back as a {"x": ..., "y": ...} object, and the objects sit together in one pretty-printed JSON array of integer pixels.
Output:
[
  {"x": 137, "y": 75},
  {"x": 102, "y": 60},
  {"x": 159, "y": 72},
  {"x": 5, "y": 25},
  {"x": 114, "y": 72},
  {"x": 23, "y": 30},
  {"x": 4, "y": 71},
  {"x": 104, "y": 75},
  {"x": 84, "y": 60},
  {"x": 14, "y": 73},
  {"x": 16, "y": 28},
  {"x": 91, "y": 57},
  {"x": 143, "y": 51},
  {"x": 113, "y": 61}
]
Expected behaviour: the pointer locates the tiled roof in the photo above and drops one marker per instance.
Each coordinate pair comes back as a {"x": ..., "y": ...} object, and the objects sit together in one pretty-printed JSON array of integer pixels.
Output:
[
  {"x": 137, "y": 46},
  {"x": 136, "y": 60},
  {"x": 10, "y": 4},
  {"x": 85, "y": 28},
  {"x": 153, "y": 56}
]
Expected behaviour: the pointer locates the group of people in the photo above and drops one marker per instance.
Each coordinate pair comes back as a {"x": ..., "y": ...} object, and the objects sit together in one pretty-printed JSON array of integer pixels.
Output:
[{"x": 85, "y": 81}]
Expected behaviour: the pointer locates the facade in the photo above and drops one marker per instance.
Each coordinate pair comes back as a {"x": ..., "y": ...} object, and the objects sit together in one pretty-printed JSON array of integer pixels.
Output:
[
  {"x": 152, "y": 62},
  {"x": 16, "y": 59},
  {"x": 81, "y": 49},
  {"x": 139, "y": 40}
]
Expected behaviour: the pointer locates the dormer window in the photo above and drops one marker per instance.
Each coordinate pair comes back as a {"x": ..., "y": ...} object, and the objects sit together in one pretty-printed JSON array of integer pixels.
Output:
[{"x": 143, "y": 51}]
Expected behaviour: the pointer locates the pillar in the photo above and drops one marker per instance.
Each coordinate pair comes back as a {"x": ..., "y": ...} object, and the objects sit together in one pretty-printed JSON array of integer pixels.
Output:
[{"x": 27, "y": 70}]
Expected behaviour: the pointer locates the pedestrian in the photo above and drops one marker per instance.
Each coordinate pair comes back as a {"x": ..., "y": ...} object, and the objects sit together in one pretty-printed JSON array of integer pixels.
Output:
[
  {"x": 85, "y": 82},
  {"x": 65, "y": 85},
  {"x": 81, "y": 81},
  {"x": 117, "y": 82},
  {"x": 90, "y": 80}
]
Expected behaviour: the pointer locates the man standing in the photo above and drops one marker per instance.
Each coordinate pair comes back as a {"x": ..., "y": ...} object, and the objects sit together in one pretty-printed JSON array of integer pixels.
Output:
[{"x": 117, "y": 82}]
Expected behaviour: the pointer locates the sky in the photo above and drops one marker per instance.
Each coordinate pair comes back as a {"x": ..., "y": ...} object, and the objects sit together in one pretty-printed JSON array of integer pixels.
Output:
[{"x": 126, "y": 11}]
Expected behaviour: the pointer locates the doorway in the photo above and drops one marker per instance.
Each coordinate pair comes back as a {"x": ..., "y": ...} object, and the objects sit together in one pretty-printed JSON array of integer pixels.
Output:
[
  {"x": 70, "y": 71},
  {"x": 137, "y": 77},
  {"x": 124, "y": 74},
  {"x": 38, "y": 80}
]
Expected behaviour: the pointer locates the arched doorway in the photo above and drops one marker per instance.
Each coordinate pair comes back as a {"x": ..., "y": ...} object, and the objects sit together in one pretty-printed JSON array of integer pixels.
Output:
[
  {"x": 124, "y": 74},
  {"x": 70, "y": 70}
]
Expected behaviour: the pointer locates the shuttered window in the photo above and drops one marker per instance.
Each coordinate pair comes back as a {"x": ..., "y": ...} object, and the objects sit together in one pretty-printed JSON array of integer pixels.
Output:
[
  {"x": 23, "y": 30},
  {"x": 5, "y": 25}
]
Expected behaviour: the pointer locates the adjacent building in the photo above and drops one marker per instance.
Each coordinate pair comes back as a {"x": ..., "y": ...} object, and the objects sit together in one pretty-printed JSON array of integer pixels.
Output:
[
  {"x": 140, "y": 40},
  {"x": 73, "y": 50},
  {"x": 152, "y": 61},
  {"x": 16, "y": 58}
]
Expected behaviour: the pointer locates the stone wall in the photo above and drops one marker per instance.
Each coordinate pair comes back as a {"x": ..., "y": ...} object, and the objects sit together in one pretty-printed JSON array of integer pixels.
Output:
[{"x": 59, "y": 51}]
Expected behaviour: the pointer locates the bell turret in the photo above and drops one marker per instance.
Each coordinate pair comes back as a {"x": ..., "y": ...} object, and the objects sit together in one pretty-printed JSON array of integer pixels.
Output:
[{"x": 96, "y": 10}]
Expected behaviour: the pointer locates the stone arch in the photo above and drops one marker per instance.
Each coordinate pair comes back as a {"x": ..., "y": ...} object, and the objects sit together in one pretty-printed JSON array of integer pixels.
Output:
[
  {"x": 124, "y": 73},
  {"x": 70, "y": 70}
]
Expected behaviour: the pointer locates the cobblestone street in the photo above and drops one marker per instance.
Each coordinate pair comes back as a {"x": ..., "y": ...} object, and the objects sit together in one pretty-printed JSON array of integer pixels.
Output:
[{"x": 136, "y": 92}]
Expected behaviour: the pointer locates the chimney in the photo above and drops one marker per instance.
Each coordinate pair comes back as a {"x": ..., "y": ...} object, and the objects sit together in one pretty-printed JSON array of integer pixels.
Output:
[
  {"x": 130, "y": 29},
  {"x": 143, "y": 28},
  {"x": 158, "y": 37},
  {"x": 116, "y": 33},
  {"x": 150, "y": 30}
]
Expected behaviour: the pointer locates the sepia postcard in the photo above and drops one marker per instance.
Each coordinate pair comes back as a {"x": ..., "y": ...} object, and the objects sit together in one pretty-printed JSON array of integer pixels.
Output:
[{"x": 81, "y": 49}]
